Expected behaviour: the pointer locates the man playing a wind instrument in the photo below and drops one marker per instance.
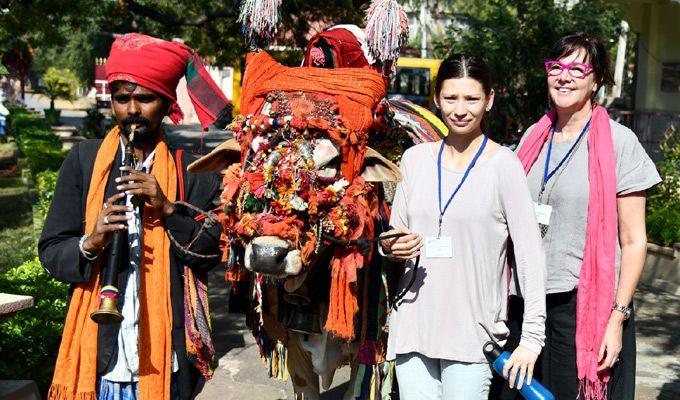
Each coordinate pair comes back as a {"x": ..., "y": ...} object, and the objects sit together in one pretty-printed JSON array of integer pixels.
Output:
[{"x": 161, "y": 347}]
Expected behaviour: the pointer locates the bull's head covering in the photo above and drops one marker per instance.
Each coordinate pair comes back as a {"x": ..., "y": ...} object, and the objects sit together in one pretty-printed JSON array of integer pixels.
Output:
[
  {"x": 158, "y": 65},
  {"x": 341, "y": 46},
  {"x": 355, "y": 92}
]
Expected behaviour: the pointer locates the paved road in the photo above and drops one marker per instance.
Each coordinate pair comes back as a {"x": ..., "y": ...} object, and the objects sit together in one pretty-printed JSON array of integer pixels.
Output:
[
  {"x": 241, "y": 375},
  {"x": 658, "y": 344}
]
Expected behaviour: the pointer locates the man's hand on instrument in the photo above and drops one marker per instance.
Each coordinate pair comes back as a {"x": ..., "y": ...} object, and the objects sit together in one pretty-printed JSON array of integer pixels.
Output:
[
  {"x": 111, "y": 218},
  {"x": 405, "y": 247},
  {"x": 145, "y": 185}
]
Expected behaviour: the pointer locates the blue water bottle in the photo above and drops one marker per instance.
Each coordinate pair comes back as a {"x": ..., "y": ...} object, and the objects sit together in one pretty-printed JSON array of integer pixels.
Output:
[{"x": 498, "y": 359}]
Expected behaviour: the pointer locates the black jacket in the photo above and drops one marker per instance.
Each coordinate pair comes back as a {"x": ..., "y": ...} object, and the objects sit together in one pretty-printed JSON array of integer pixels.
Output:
[{"x": 60, "y": 256}]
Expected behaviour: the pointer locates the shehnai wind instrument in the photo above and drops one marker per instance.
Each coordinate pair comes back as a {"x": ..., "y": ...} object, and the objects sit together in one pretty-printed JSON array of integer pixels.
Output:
[{"x": 108, "y": 306}]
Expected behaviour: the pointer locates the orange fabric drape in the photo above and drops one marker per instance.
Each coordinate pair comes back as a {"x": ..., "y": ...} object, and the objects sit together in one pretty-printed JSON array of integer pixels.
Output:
[
  {"x": 343, "y": 301},
  {"x": 75, "y": 373}
]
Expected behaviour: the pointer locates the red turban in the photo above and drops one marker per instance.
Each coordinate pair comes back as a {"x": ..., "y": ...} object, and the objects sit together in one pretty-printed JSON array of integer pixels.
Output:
[{"x": 158, "y": 65}]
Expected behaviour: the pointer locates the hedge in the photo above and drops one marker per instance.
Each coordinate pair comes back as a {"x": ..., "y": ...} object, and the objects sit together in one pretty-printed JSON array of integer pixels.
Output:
[
  {"x": 37, "y": 142},
  {"x": 663, "y": 201},
  {"x": 29, "y": 341}
]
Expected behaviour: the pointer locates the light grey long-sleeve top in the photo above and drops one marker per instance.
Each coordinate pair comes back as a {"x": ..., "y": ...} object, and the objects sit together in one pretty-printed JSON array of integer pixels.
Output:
[{"x": 440, "y": 315}]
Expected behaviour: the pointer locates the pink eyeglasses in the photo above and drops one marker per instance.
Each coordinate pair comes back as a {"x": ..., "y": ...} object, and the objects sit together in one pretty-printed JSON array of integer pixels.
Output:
[{"x": 576, "y": 69}]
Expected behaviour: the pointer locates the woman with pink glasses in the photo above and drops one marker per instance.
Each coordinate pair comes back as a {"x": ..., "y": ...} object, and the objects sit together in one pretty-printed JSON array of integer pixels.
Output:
[{"x": 588, "y": 176}]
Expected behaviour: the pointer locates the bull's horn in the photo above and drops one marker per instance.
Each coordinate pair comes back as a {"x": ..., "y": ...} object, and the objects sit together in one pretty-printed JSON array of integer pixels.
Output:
[
  {"x": 379, "y": 169},
  {"x": 219, "y": 159}
]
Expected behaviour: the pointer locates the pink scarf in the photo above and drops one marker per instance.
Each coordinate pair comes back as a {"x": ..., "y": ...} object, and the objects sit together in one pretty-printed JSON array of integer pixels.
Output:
[{"x": 596, "y": 283}]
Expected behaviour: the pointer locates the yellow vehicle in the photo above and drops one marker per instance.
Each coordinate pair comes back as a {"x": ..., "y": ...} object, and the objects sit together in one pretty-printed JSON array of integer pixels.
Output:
[{"x": 415, "y": 80}]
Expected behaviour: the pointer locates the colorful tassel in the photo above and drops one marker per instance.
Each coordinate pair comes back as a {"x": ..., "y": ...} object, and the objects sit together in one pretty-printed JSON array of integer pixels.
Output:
[
  {"x": 359, "y": 380},
  {"x": 386, "y": 29},
  {"x": 259, "y": 19},
  {"x": 387, "y": 373}
]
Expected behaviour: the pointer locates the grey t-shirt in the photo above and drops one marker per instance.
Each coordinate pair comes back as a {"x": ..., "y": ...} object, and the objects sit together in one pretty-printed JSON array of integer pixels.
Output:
[{"x": 568, "y": 194}]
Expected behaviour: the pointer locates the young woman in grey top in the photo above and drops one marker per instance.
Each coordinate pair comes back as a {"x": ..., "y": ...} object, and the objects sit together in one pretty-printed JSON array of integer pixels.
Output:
[
  {"x": 577, "y": 67},
  {"x": 460, "y": 202}
]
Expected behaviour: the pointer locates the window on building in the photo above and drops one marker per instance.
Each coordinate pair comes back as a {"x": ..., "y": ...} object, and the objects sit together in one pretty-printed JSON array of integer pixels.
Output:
[{"x": 670, "y": 77}]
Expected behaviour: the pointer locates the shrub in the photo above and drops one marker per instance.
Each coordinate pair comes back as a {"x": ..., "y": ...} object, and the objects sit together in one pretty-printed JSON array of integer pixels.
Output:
[
  {"x": 37, "y": 134},
  {"x": 45, "y": 183},
  {"x": 20, "y": 120},
  {"x": 663, "y": 225},
  {"x": 29, "y": 341},
  {"x": 93, "y": 124},
  {"x": 663, "y": 202},
  {"x": 41, "y": 146},
  {"x": 42, "y": 156}
]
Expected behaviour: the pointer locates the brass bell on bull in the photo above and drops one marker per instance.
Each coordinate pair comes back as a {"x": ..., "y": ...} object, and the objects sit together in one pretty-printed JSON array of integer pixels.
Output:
[
  {"x": 303, "y": 320},
  {"x": 302, "y": 316},
  {"x": 298, "y": 297}
]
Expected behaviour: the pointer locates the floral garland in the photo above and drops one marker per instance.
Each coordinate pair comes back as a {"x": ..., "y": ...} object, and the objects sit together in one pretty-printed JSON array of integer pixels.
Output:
[{"x": 285, "y": 188}]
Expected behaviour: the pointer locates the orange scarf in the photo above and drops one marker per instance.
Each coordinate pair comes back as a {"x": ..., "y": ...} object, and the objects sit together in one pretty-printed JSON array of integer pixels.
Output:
[{"x": 75, "y": 374}]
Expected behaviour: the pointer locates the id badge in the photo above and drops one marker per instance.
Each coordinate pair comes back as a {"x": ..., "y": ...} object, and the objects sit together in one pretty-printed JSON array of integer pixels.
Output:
[
  {"x": 439, "y": 247},
  {"x": 543, "y": 212}
]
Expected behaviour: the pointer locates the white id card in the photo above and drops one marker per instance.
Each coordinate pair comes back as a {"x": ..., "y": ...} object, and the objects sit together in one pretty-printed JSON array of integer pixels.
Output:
[
  {"x": 543, "y": 212},
  {"x": 439, "y": 247}
]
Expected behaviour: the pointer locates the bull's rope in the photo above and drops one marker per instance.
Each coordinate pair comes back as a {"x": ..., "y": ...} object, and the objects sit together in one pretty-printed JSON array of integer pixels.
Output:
[{"x": 209, "y": 220}]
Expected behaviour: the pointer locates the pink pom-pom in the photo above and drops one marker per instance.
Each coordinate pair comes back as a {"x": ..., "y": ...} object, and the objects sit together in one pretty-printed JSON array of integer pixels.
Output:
[{"x": 318, "y": 58}]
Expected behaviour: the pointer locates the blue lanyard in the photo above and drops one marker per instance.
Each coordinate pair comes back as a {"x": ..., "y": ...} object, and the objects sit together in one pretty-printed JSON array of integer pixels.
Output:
[
  {"x": 546, "y": 174},
  {"x": 439, "y": 178}
]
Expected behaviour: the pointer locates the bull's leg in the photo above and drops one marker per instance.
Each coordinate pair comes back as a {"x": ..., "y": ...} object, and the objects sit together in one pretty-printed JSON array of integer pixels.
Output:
[{"x": 299, "y": 363}]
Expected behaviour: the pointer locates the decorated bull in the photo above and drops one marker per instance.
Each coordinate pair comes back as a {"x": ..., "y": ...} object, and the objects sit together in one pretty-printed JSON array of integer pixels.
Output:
[{"x": 302, "y": 204}]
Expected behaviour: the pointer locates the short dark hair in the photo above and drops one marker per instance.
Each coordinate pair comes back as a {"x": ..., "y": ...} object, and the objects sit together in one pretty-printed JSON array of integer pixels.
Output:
[
  {"x": 597, "y": 56},
  {"x": 458, "y": 66}
]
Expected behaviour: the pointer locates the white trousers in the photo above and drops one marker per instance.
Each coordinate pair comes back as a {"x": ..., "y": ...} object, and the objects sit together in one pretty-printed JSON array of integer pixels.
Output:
[{"x": 423, "y": 378}]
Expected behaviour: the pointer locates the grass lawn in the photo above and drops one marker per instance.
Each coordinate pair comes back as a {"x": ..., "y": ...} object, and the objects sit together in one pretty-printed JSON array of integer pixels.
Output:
[{"x": 17, "y": 241}]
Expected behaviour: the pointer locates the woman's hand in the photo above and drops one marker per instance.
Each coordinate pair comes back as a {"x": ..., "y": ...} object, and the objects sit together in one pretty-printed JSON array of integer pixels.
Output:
[
  {"x": 138, "y": 183},
  {"x": 611, "y": 343},
  {"x": 404, "y": 247},
  {"x": 111, "y": 218},
  {"x": 521, "y": 360}
]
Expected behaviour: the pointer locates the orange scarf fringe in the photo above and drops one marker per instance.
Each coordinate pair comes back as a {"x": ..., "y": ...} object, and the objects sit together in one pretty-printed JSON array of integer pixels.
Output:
[
  {"x": 75, "y": 374},
  {"x": 343, "y": 298}
]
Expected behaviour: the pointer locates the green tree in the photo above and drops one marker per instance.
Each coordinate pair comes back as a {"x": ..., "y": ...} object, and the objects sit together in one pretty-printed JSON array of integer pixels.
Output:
[
  {"x": 513, "y": 37},
  {"x": 60, "y": 84},
  {"x": 81, "y": 30}
]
